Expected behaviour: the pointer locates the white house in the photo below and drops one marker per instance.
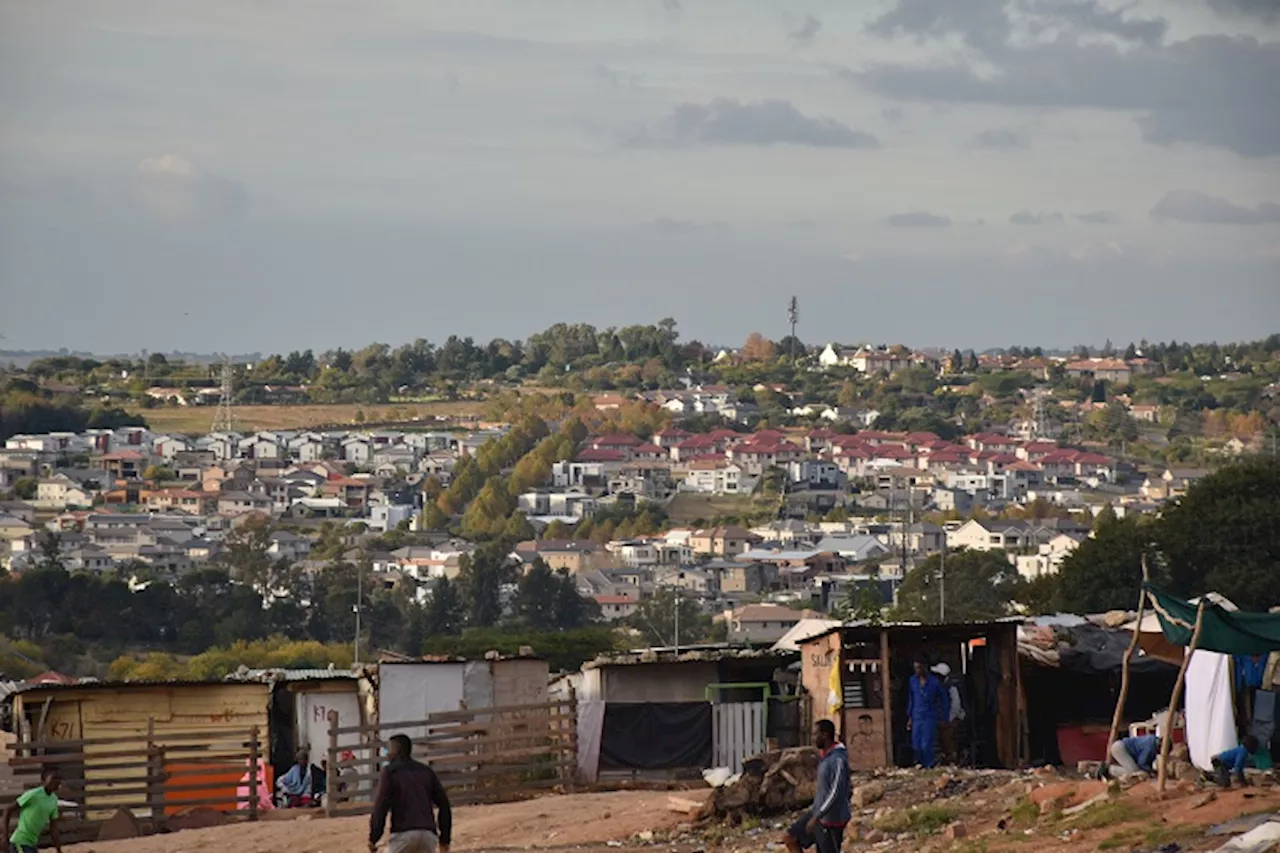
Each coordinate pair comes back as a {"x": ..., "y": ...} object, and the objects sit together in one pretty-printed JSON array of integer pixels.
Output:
[
  {"x": 1048, "y": 557},
  {"x": 713, "y": 476}
]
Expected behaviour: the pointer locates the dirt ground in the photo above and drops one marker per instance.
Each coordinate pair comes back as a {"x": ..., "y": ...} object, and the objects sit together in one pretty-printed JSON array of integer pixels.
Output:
[
  {"x": 579, "y": 821},
  {"x": 992, "y": 812}
]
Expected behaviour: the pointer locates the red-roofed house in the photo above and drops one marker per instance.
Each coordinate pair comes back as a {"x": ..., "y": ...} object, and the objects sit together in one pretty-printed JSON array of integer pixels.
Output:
[
  {"x": 670, "y": 437},
  {"x": 1035, "y": 450},
  {"x": 123, "y": 464},
  {"x": 756, "y": 456},
  {"x": 615, "y": 607},
  {"x": 648, "y": 453},
  {"x": 992, "y": 441}
]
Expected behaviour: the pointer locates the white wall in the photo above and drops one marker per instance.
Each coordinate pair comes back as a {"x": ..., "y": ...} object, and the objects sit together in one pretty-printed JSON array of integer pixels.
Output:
[{"x": 411, "y": 691}]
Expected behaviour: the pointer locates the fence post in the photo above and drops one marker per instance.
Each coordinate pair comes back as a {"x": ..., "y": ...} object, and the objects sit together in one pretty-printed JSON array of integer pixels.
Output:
[
  {"x": 254, "y": 761},
  {"x": 331, "y": 777},
  {"x": 155, "y": 778}
]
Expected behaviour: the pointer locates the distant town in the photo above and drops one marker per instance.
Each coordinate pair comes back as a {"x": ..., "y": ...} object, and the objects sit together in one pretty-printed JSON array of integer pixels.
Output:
[{"x": 761, "y": 485}]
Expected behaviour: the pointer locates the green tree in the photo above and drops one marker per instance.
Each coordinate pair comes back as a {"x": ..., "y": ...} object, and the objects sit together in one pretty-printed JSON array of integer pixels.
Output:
[
  {"x": 1104, "y": 572},
  {"x": 433, "y": 518},
  {"x": 655, "y": 619},
  {"x": 1224, "y": 535},
  {"x": 979, "y": 585},
  {"x": 536, "y": 598},
  {"x": 25, "y": 488},
  {"x": 446, "y": 613}
]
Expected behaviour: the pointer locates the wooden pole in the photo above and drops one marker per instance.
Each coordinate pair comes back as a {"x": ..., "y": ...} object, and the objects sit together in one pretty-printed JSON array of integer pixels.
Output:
[
  {"x": 331, "y": 777},
  {"x": 1124, "y": 667},
  {"x": 155, "y": 778},
  {"x": 886, "y": 688},
  {"x": 254, "y": 761},
  {"x": 1177, "y": 695}
]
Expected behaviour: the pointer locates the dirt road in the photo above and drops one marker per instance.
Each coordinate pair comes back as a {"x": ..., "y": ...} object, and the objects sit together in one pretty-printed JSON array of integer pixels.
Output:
[{"x": 572, "y": 820}]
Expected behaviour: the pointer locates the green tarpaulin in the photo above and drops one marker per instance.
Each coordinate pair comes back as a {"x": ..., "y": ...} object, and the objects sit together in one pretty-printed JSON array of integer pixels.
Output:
[{"x": 1225, "y": 631}]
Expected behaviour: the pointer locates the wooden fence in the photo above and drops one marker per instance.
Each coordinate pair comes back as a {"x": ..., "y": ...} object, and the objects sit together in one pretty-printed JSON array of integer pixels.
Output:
[
  {"x": 481, "y": 755},
  {"x": 152, "y": 776}
]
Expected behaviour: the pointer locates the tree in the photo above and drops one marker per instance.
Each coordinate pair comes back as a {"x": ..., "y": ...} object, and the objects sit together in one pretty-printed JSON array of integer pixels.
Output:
[
  {"x": 445, "y": 613},
  {"x": 25, "y": 488},
  {"x": 979, "y": 585},
  {"x": 655, "y": 619},
  {"x": 1105, "y": 570},
  {"x": 971, "y": 365},
  {"x": 433, "y": 518},
  {"x": 759, "y": 348},
  {"x": 1223, "y": 535},
  {"x": 536, "y": 598},
  {"x": 158, "y": 473},
  {"x": 1130, "y": 352},
  {"x": 481, "y": 576}
]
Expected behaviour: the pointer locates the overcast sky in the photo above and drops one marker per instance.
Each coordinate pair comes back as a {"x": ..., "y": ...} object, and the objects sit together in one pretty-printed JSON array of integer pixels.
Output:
[{"x": 281, "y": 174}]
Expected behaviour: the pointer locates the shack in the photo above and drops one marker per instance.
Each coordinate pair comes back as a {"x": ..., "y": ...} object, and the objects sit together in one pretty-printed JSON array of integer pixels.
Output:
[
  {"x": 867, "y": 694},
  {"x": 411, "y": 690},
  {"x": 667, "y": 713},
  {"x": 299, "y": 706},
  {"x": 204, "y": 731}
]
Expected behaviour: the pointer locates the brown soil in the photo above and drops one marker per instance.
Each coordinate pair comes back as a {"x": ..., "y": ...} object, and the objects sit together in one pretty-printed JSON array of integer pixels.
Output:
[{"x": 583, "y": 821}]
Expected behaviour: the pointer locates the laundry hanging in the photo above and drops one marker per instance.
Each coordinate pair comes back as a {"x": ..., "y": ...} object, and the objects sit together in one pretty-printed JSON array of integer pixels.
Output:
[{"x": 1210, "y": 716}]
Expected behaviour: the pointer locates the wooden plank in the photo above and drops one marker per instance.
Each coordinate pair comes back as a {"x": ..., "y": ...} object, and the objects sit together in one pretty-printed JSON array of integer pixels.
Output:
[
  {"x": 140, "y": 738},
  {"x": 530, "y": 711},
  {"x": 485, "y": 772}
]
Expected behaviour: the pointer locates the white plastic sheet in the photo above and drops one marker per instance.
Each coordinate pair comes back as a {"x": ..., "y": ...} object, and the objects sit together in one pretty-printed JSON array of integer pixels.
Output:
[
  {"x": 590, "y": 733},
  {"x": 1211, "y": 726}
]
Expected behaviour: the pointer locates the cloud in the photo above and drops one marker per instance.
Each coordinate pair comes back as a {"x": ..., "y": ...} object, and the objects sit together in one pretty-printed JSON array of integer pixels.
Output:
[
  {"x": 172, "y": 187},
  {"x": 726, "y": 121},
  {"x": 1198, "y": 207},
  {"x": 891, "y": 113},
  {"x": 1088, "y": 16},
  {"x": 1026, "y": 217},
  {"x": 1214, "y": 90},
  {"x": 982, "y": 23},
  {"x": 1267, "y": 11},
  {"x": 1098, "y": 217},
  {"x": 917, "y": 219},
  {"x": 1001, "y": 140},
  {"x": 667, "y": 225},
  {"x": 672, "y": 6},
  {"x": 807, "y": 32}
]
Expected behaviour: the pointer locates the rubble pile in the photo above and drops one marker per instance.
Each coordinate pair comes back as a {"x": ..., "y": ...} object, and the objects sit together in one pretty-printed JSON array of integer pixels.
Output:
[{"x": 772, "y": 782}]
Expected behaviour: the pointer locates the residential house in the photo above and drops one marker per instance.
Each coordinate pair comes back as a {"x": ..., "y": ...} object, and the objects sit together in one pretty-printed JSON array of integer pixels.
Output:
[
  {"x": 1113, "y": 370},
  {"x": 569, "y": 505},
  {"x": 235, "y": 503},
  {"x": 61, "y": 491},
  {"x": 714, "y": 475},
  {"x": 123, "y": 464},
  {"x": 283, "y": 545},
  {"x": 645, "y": 481},
  {"x": 729, "y": 541},
  {"x": 763, "y": 623},
  {"x": 760, "y": 453},
  {"x": 859, "y": 548},
  {"x": 615, "y": 607},
  {"x": 1048, "y": 557},
  {"x": 182, "y": 500},
  {"x": 739, "y": 577},
  {"x": 817, "y": 474},
  {"x": 357, "y": 449},
  {"x": 570, "y": 554},
  {"x": 87, "y": 558}
]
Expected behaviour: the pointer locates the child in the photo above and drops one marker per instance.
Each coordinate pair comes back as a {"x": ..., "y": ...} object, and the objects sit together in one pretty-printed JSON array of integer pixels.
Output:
[
  {"x": 37, "y": 810},
  {"x": 1232, "y": 762}
]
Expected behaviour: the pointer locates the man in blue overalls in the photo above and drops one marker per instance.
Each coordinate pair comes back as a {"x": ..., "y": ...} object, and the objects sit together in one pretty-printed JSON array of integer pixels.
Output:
[{"x": 927, "y": 706}]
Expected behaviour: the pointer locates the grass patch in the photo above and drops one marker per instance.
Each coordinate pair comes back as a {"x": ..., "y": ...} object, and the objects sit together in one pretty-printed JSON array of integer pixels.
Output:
[
  {"x": 1024, "y": 814},
  {"x": 923, "y": 820},
  {"x": 1125, "y": 838},
  {"x": 199, "y": 419},
  {"x": 1108, "y": 814},
  {"x": 1159, "y": 836},
  {"x": 687, "y": 507}
]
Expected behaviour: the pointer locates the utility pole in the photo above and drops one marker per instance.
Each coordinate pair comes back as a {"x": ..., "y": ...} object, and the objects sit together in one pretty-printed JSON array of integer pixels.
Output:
[
  {"x": 793, "y": 315},
  {"x": 942, "y": 580},
  {"x": 359, "y": 601},
  {"x": 676, "y": 644}
]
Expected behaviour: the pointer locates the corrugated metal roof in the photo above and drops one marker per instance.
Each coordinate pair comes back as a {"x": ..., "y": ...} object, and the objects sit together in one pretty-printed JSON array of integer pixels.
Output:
[{"x": 291, "y": 675}]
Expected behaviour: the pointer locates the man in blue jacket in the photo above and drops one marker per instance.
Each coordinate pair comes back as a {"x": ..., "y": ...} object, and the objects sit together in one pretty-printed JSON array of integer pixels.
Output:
[
  {"x": 822, "y": 827},
  {"x": 927, "y": 706}
]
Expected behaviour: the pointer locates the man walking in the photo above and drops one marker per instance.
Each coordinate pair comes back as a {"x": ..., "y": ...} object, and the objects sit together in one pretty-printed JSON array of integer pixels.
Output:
[
  {"x": 411, "y": 793},
  {"x": 822, "y": 827},
  {"x": 37, "y": 810},
  {"x": 927, "y": 706}
]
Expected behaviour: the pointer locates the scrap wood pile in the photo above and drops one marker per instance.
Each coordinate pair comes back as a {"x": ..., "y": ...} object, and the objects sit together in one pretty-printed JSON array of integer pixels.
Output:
[{"x": 770, "y": 783}]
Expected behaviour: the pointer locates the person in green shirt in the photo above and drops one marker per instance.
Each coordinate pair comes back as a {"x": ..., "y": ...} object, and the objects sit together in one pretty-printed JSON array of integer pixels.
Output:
[{"x": 37, "y": 810}]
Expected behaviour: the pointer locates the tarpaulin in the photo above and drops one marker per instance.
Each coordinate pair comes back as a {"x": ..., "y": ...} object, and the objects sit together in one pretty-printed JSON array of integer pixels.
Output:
[
  {"x": 1211, "y": 725},
  {"x": 656, "y": 735},
  {"x": 1224, "y": 631},
  {"x": 590, "y": 729}
]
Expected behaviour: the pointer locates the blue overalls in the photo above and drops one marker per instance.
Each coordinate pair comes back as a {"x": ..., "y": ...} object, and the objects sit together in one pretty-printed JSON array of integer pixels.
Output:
[{"x": 927, "y": 705}]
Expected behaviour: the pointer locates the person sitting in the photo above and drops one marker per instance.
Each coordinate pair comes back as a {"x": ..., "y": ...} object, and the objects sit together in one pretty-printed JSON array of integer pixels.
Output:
[
  {"x": 1134, "y": 755},
  {"x": 1232, "y": 762},
  {"x": 303, "y": 785}
]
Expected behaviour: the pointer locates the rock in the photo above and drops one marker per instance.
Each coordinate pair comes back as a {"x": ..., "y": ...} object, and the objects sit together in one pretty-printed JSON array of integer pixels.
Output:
[
  {"x": 865, "y": 795},
  {"x": 1128, "y": 780},
  {"x": 942, "y": 782},
  {"x": 874, "y": 836},
  {"x": 645, "y": 835},
  {"x": 955, "y": 831},
  {"x": 1046, "y": 771},
  {"x": 882, "y": 813},
  {"x": 1088, "y": 768},
  {"x": 1202, "y": 801},
  {"x": 198, "y": 818},
  {"x": 119, "y": 826}
]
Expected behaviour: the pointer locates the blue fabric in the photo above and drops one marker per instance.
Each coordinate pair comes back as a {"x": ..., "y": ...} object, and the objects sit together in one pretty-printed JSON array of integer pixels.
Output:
[
  {"x": 831, "y": 799},
  {"x": 1144, "y": 750},
  {"x": 927, "y": 705},
  {"x": 1235, "y": 759},
  {"x": 924, "y": 734},
  {"x": 297, "y": 781},
  {"x": 1250, "y": 669}
]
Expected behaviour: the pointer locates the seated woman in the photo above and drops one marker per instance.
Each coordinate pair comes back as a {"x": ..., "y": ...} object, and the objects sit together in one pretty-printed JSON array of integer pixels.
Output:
[{"x": 304, "y": 784}]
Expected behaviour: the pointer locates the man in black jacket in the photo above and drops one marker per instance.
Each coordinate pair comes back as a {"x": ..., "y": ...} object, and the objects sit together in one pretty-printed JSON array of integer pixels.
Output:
[{"x": 411, "y": 792}]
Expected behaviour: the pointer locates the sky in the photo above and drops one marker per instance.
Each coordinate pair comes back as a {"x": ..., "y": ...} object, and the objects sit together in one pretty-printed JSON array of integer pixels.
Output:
[{"x": 269, "y": 175}]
